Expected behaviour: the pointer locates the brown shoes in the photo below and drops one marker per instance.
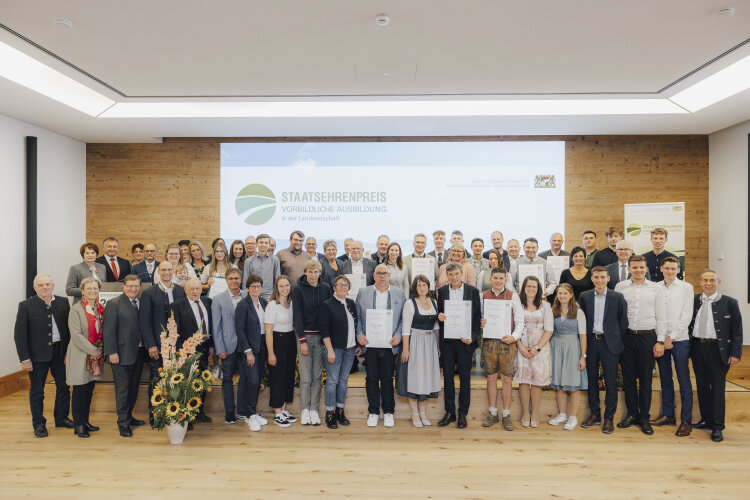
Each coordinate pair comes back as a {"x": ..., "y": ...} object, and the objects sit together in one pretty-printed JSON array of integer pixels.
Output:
[
  {"x": 663, "y": 420},
  {"x": 608, "y": 427},
  {"x": 591, "y": 421},
  {"x": 683, "y": 430},
  {"x": 490, "y": 420}
]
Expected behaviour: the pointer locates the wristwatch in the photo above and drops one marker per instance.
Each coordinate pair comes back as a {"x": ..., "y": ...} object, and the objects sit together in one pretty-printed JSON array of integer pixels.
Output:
[
  {"x": 660, "y": 342},
  {"x": 584, "y": 355},
  {"x": 537, "y": 348}
]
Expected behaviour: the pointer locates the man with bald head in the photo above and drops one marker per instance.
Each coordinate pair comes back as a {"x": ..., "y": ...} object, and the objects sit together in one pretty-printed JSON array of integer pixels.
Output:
[
  {"x": 556, "y": 243},
  {"x": 357, "y": 264},
  {"x": 145, "y": 270}
]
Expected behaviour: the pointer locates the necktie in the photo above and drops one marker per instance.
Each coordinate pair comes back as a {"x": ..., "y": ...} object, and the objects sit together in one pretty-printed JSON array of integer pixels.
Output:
[
  {"x": 623, "y": 272},
  {"x": 114, "y": 269},
  {"x": 440, "y": 259},
  {"x": 703, "y": 317},
  {"x": 203, "y": 320},
  {"x": 135, "y": 303}
]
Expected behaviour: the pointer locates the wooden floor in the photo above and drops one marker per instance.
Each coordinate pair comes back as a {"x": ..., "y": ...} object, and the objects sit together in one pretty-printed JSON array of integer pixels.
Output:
[{"x": 360, "y": 462}]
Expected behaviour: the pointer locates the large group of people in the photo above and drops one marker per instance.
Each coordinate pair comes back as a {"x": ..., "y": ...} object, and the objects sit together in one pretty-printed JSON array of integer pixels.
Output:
[{"x": 407, "y": 316}]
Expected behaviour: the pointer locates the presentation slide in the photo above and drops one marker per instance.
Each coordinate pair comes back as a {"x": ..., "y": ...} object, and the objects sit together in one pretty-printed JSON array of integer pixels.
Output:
[{"x": 336, "y": 190}]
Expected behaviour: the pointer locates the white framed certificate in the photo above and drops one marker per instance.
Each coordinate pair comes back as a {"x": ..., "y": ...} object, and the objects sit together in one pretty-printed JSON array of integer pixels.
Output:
[
  {"x": 423, "y": 266},
  {"x": 457, "y": 322},
  {"x": 559, "y": 263},
  {"x": 498, "y": 316},
  {"x": 379, "y": 327},
  {"x": 357, "y": 281},
  {"x": 537, "y": 270}
]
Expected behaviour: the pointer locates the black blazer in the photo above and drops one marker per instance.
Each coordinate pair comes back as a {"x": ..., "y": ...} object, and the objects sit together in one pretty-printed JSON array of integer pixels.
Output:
[
  {"x": 247, "y": 325},
  {"x": 334, "y": 323},
  {"x": 33, "y": 330},
  {"x": 615, "y": 322},
  {"x": 186, "y": 323},
  {"x": 728, "y": 325},
  {"x": 614, "y": 274},
  {"x": 141, "y": 270},
  {"x": 121, "y": 332},
  {"x": 470, "y": 293},
  {"x": 343, "y": 257},
  {"x": 122, "y": 263},
  {"x": 154, "y": 313},
  {"x": 368, "y": 267}
]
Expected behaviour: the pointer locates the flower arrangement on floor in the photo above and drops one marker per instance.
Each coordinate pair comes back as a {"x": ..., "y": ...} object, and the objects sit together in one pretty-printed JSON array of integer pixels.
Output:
[{"x": 176, "y": 395}]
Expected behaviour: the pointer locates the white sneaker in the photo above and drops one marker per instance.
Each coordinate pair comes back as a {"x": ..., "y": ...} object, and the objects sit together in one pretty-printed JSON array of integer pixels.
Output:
[
  {"x": 281, "y": 421},
  {"x": 388, "y": 420},
  {"x": 372, "y": 420},
  {"x": 559, "y": 419},
  {"x": 305, "y": 417},
  {"x": 570, "y": 424},
  {"x": 289, "y": 417},
  {"x": 253, "y": 424},
  {"x": 314, "y": 417},
  {"x": 261, "y": 420}
]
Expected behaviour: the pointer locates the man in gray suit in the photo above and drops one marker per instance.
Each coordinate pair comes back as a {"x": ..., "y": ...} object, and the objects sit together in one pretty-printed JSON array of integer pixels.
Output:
[
  {"x": 121, "y": 338},
  {"x": 555, "y": 243},
  {"x": 420, "y": 244},
  {"x": 357, "y": 264},
  {"x": 618, "y": 271},
  {"x": 381, "y": 361},
  {"x": 225, "y": 342}
]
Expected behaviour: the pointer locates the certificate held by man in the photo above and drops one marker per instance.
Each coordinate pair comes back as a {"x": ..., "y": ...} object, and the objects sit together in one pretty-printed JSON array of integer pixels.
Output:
[
  {"x": 357, "y": 281},
  {"x": 498, "y": 315},
  {"x": 379, "y": 328},
  {"x": 457, "y": 319}
]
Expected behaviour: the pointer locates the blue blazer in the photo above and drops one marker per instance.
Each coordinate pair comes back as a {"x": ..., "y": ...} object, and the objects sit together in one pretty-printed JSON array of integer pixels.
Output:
[
  {"x": 614, "y": 275},
  {"x": 222, "y": 311},
  {"x": 247, "y": 324},
  {"x": 366, "y": 300},
  {"x": 615, "y": 322},
  {"x": 728, "y": 325},
  {"x": 154, "y": 313},
  {"x": 470, "y": 293},
  {"x": 142, "y": 271}
]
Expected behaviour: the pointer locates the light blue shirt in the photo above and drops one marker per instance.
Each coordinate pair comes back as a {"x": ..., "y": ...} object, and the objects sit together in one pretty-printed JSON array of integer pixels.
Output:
[{"x": 599, "y": 301}]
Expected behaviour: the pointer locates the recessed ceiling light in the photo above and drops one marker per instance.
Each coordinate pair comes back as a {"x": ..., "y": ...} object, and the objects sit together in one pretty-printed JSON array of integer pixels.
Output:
[
  {"x": 727, "y": 82},
  {"x": 61, "y": 21}
]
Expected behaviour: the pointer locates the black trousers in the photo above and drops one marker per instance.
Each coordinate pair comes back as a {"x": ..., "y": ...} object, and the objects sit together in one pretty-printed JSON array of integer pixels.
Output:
[
  {"x": 455, "y": 352},
  {"x": 598, "y": 353},
  {"x": 127, "y": 379},
  {"x": 282, "y": 375},
  {"x": 711, "y": 379},
  {"x": 637, "y": 361},
  {"x": 82, "y": 395},
  {"x": 37, "y": 379},
  {"x": 381, "y": 364}
]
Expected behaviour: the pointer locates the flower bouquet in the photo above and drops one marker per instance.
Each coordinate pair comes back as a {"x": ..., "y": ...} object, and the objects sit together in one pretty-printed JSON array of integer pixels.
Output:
[{"x": 177, "y": 393}]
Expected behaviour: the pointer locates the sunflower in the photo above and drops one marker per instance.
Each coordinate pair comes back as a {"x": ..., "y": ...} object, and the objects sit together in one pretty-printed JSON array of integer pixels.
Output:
[
  {"x": 207, "y": 375},
  {"x": 197, "y": 385},
  {"x": 194, "y": 403},
  {"x": 177, "y": 378},
  {"x": 172, "y": 409},
  {"x": 157, "y": 399}
]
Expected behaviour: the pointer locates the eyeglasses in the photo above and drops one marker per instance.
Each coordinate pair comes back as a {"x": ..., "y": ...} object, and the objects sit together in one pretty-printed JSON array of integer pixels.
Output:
[
  {"x": 256, "y": 286},
  {"x": 382, "y": 273},
  {"x": 342, "y": 285}
]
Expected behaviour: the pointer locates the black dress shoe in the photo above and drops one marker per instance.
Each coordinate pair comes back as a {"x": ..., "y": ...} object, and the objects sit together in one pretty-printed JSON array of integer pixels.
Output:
[
  {"x": 716, "y": 436},
  {"x": 341, "y": 417},
  {"x": 202, "y": 417},
  {"x": 461, "y": 422},
  {"x": 65, "y": 423},
  {"x": 627, "y": 422},
  {"x": 447, "y": 419},
  {"x": 90, "y": 428},
  {"x": 134, "y": 422},
  {"x": 126, "y": 431},
  {"x": 646, "y": 427},
  {"x": 701, "y": 424},
  {"x": 331, "y": 420},
  {"x": 40, "y": 431},
  {"x": 81, "y": 431}
]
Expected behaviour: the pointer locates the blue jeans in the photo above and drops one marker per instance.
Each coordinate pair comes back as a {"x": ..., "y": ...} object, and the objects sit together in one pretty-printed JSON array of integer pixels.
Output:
[
  {"x": 680, "y": 352},
  {"x": 337, "y": 376}
]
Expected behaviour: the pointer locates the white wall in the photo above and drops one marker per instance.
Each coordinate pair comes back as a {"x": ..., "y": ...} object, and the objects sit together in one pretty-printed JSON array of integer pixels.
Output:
[
  {"x": 727, "y": 205},
  {"x": 61, "y": 217}
]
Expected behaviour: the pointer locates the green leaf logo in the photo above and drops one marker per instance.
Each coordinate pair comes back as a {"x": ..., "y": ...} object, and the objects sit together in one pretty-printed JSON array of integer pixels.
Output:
[
  {"x": 633, "y": 229},
  {"x": 256, "y": 203}
]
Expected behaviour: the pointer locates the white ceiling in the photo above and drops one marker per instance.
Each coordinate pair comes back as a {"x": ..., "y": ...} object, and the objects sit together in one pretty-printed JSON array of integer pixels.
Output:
[{"x": 283, "y": 48}]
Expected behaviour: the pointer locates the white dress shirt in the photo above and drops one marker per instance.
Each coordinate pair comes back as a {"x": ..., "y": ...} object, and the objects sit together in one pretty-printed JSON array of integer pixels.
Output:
[
  {"x": 646, "y": 308},
  {"x": 381, "y": 298},
  {"x": 708, "y": 331},
  {"x": 678, "y": 299},
  {"x": 600, "y": 301},
  {"x": 358, "y": 267},
  {"x": 197, "y": 315},
  {"x": 518, "y": 322},
  {"x": 456, "y": 293},
  {"x": 278, "y": 316}
]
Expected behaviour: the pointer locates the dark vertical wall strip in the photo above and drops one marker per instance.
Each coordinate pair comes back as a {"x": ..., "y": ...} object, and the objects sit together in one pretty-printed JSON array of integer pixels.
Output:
[{"x": 31, "y": 214}]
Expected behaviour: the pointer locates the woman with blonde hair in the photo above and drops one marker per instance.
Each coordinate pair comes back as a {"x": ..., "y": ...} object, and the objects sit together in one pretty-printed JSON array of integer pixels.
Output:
[
  {"x": 213, "y": 278},
  {"x": 457, "y": 254}
]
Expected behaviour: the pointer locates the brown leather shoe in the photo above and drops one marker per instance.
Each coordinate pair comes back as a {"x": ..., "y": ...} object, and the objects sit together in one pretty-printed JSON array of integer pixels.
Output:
[
  {"x": 683, "y": 430},
  {"x": 608, "y": 427},
  {"x": 663, "y": 420},
  {"x": 591, "y": 421}
]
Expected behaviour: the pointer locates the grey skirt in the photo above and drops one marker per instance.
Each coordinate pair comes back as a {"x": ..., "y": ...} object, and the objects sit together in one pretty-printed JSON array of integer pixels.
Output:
[{"x": 419, "y": 378}]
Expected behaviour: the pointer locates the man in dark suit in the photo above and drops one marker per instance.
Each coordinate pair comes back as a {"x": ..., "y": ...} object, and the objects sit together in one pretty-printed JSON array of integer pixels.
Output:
[
  {"x": 152, "y": 316},
  {"x": 606, "y": 314},
  {"x": 192, "y": 313},
  {"x": 358, "y": 264},
  {"x": 440, "y": 252},
  {"x": 457, "y": 351},
  {"x": 381, "y": 255},
  {"x": 497, "y": 244},
  {"x": 121, "y": 340},
  {"x": 146, "y": 269},
  {"x": 347, "y": 248},
  {"x": 42, "y": 336},
  {"x": 117, "y": 267},
  {"x": 715, "y": 345},
  {"x": 618, "y": 271}
]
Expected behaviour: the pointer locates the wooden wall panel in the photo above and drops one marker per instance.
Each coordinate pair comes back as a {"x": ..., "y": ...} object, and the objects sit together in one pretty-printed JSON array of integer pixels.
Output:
[{"x": 170, "y": 191}]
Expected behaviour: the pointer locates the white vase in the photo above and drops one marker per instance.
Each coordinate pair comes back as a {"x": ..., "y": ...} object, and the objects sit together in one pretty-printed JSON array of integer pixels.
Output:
[{"x": 176, "y": 432}]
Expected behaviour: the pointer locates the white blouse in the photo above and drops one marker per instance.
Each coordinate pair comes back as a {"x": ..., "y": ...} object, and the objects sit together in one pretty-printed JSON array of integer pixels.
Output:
[
  {"x": 278, "y": 316},
  {"x": 407, "y": 316}
]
